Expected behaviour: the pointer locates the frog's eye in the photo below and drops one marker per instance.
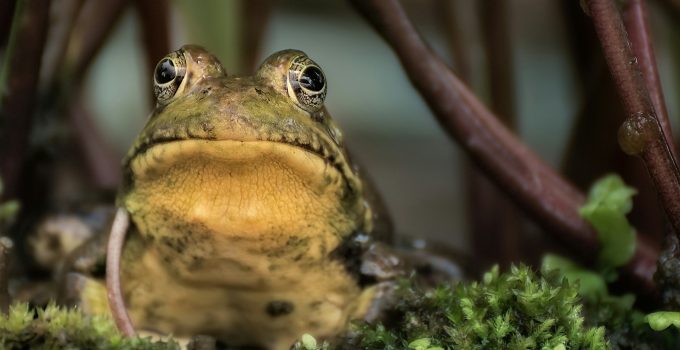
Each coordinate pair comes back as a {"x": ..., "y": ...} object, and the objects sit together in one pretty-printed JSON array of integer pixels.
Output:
[
  {"x": 306, "y": 83},
  {"x": 168, "y": 76}
]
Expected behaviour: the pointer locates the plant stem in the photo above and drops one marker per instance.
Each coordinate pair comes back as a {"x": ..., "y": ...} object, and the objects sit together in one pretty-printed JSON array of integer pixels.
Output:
[
  {"x": 255, "y": 17},
  {"x": 22, "y": 69},
  {"x": 94, "y": 25},
  {"x": 5, "y": 248},
  {"x": 154, "y": 17},
  {"x": 641, "y": 133},
  {"x": 593, "y": 149},
  {"x": 635, "y": 22},
  {"x": 114, "y": 251},
  {"x": 9, "y": 51},
  {"x": 495, "y": 241},
  {"x": 531, "y": 183}
]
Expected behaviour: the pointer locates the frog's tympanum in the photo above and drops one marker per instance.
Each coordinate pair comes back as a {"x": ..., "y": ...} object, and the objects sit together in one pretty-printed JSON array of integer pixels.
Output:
[{"x": 243, "y": 200}]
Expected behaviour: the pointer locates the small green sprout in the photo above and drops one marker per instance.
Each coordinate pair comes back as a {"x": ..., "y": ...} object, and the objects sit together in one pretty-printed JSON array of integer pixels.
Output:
[
  {"x": 609, "y": 200},
  {"x": 308, "y": 342},
  {"x": 661, "y": 320}
]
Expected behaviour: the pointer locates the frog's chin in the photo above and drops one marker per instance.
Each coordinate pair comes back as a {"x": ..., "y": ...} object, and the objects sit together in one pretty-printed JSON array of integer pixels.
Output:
[{"x": 262, "y": 159}]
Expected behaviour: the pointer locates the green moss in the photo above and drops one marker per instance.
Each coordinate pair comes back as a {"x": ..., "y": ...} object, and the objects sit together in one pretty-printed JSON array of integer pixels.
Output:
[
  {"x": 61, "y": 328},
  {"x": 515, "y": 310}
]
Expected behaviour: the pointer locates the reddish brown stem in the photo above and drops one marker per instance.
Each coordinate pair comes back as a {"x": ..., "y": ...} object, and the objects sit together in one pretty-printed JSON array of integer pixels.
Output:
[
  {"x": 16, "y": 113},
  {"x": 255, "y": 14},
  {"x": 635, "y": 22},
  {"x": 5, "y": 299},
  {"x": 58, "y": 40},
  {"x": 95, "y": 23},
  {"x": 154, "y": 15},
  {"x": 102, "y": 162},
  {"x": 531, "y": 183},
  {"x": 593, "y": 149},
  {"x": 92, "y": 27},
  {"x": 114, "y": 251},
  {"x": 641, "y": 133},
  {"x": 455, "y": 28},
  {"x": 6, "y": 12},
  {"x": 495, "y": 241}
]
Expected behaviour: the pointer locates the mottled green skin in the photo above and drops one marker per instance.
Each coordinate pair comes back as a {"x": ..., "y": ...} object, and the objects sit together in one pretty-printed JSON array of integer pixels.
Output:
[{"x": 240, "y": 199}]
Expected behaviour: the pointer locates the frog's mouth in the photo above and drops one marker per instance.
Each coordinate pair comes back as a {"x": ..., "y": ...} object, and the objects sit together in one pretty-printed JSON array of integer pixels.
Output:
[{"x": 312, "y": 159}]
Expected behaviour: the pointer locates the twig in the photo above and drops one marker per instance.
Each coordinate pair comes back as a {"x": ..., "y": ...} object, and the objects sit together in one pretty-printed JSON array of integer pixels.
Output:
[
  {"x": 255, "y": 15},
  {"x": 154, "y": 16},
  {"x": 5, "y": 247},
  {"x": 16, "y": 108},
  {"x": 100, "y": 160},
  {"x": 114, "y": 250},
  {"x": 593, "y": 149},
  {"x": 6, "y": 13},
  {"x": 450, "y": 15},
  {"x": 11, "y": 45},
  {"x": 531, "y": 183},
  {"x": 635, "y": 21},
  {"x": 94, "y": 24},
  {"x": 641, "y": 133},
  {"x": 497, "y": 240},
  {"x": 58, "y": 40}
]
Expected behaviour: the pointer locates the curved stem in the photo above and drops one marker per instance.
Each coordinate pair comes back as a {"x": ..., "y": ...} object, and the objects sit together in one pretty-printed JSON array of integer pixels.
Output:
[
  {"x": 641, "y": 133},
  {"x": 6, "y": 245},
  {"x": 9, "y": 51},
  {"x": 113, "y": 253},
  {"x": 21, "y": 69},
  {"x": 635, "y": 22},
  {"x": 530, "y": 182}
]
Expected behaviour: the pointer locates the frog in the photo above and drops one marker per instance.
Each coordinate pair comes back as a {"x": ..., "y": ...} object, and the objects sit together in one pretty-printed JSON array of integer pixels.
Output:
[{"x": 249, "y": 219}]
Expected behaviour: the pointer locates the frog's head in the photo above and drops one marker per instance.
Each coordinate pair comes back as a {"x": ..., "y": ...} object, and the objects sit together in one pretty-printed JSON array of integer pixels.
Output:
[{"x": 265, "y": 139}]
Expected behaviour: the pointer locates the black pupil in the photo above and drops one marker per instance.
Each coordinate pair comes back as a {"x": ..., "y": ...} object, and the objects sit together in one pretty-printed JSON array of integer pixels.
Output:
[
  {"x": 165, "y": 71},
  {"x": 312, "y": 79}
]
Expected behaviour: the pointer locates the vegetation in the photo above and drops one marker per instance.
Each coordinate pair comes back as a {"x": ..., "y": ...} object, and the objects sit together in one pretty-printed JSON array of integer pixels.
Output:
[
  {"x": 514, "y": 310},
  {"x": 62, "y": 328},
  {"x": 569, "y": 305}
]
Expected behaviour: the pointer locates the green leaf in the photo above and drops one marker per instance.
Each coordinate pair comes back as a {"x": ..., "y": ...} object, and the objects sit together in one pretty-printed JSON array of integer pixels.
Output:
[
  {"x": 591, "y": 285},
  {"x": 660, "y": 320},
  {"x": 608, "y": 203},
  {"x": 419, "y": 344},
  {"x": 308, "y": 341}
]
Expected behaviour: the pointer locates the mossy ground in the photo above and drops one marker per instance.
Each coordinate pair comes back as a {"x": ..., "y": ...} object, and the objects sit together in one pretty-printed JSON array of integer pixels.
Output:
[
  {"x": 62, "y": 328},
  {"x": 519, "y": 309}
]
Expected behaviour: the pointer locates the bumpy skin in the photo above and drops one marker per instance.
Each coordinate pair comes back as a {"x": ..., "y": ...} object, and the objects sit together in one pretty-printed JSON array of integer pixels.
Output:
[{"x": 240, "y": 198}]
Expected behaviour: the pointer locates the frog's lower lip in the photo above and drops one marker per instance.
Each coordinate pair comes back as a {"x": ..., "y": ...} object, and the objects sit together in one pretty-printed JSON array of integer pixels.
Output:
[
  {"x": 330, "y": 159},
  {"x": 319, "y": 150}
]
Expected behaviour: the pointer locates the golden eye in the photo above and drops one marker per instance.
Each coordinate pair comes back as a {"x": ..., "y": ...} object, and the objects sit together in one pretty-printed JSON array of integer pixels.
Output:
[
  {"x": 168, "y": 76},
  {"x": 306, "y": 83}
]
